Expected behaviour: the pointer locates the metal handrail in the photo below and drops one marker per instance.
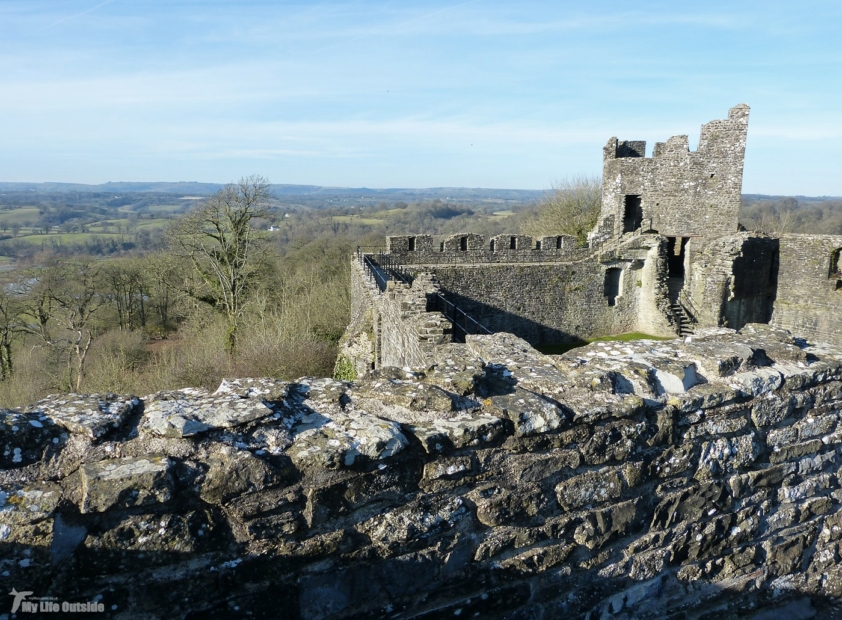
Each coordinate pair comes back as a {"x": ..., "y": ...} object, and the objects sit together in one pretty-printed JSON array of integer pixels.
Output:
[
  {"x": 374, "y": 274},
  {"x": 452, "y": 316},
  {"x": 692, "y": 311},
  {"x": 382, "y": 272}
]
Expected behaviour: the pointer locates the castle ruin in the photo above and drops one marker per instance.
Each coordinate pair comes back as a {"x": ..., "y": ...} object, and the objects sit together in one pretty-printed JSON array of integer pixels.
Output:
[
  {"x": 666, "y": 258},
  {"x": 467, "y": 475}
]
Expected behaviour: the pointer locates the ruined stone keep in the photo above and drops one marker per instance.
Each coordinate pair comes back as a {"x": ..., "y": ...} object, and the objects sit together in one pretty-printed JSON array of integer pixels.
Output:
[{"x": 666, "y": 258}]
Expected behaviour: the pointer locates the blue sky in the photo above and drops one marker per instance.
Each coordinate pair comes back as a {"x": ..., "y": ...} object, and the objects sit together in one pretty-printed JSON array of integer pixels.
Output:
[{"x": 408, "y": 94}]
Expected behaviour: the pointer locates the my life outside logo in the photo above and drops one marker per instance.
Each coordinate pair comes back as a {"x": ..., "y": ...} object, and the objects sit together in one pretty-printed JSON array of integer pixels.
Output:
[{"x": 24, "y": 602}]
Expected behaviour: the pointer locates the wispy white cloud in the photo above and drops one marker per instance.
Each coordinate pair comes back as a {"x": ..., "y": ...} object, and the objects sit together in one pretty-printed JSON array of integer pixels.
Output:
[{"x": 80, "y": 13}]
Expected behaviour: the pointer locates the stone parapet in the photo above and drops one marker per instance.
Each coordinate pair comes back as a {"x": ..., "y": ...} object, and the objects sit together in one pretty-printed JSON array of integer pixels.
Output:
[{"x": 623, "y": 479}]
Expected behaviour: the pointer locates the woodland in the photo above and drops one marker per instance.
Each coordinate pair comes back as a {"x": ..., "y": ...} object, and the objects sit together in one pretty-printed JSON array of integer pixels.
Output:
[{"x": 141, "y": 289}]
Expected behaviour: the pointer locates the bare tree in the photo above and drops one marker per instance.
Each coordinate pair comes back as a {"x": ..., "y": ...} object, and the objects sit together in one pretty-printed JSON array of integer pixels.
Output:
[
  {"x": 63, "y": 297},
  {"x": 11, "y": 326},
  {"x": 571, "y": 208},
  {"x": 226, "y": 251},
  {"x": 126, "y": 285},
  {"x": 778, "y": 221}
]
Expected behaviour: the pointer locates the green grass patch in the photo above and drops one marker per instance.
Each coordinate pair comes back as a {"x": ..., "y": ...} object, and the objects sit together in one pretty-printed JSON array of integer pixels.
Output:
[
  {"x": 19, "y": 216},
  {"x": 170, "y": 208},
  {"x": 156, "y": 223},
  {"x": 356, "y": 219},
  {"x": 558, "y": 349},
  {"x": 499, "y": 215},
  {"x": 70, "y": 238}
]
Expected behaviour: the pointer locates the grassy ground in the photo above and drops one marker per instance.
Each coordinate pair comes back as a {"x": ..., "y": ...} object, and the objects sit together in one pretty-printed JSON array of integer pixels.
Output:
[
  {"x": 19, "y": 216},
  {"x": 156, "y": 223},
  {"x": 65, "y": 237},
  {"x": 170, "y": 208},
  {"x": 558, "y": 349},
  {"x": 371, "y": 221}
]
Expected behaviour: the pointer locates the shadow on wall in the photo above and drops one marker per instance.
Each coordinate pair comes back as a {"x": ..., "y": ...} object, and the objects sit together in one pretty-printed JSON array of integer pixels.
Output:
[
  {"x": 231, "y": 583},
  {"x": 754, "y": 291},
  {"x": 498, "y": 320}
]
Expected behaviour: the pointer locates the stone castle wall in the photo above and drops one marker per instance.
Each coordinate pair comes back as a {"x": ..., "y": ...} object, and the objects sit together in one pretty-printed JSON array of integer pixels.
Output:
[
  {"x": 682, "y": 193},
  {"x": 621, "y": 480},
  {"x": 733, "y": 280},
  {"x": 390, "y": 327},
  {"x": 809, "y": 297},
  {"x": 471, "y": 248},
  {"x": 552, "y": 294}
]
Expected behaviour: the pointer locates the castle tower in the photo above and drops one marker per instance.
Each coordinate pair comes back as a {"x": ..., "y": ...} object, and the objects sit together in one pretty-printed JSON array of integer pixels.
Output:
[{"x": 677, "y": 192}]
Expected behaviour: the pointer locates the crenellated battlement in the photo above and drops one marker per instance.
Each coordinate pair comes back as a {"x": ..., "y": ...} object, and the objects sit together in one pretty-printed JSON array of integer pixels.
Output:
[{"x": 474, "y": 248}]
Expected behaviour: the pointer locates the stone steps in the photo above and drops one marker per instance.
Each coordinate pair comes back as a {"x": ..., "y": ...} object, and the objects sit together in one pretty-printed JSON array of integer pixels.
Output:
[{"x": 685, "y": 323}]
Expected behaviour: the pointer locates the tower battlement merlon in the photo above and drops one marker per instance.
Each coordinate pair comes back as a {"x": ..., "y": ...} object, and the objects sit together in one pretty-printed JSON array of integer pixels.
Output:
[
  {"x": 729, "y": 133},
  {"x": 617, "y": 149}
]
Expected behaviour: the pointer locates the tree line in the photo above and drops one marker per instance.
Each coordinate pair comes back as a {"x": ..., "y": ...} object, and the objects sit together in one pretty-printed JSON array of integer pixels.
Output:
[
  {"x": 218, "y": 295},
  {"x": 219, "y": 300}
]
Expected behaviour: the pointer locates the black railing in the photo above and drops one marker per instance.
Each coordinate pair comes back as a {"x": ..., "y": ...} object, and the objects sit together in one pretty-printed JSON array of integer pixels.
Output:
[
  {"x": 463, "y": 322},
  {"x": 382, "y": 267}
]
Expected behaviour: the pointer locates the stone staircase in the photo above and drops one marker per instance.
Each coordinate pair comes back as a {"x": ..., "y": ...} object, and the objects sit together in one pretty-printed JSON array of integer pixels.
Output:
[{"x": 682, "y": 319}]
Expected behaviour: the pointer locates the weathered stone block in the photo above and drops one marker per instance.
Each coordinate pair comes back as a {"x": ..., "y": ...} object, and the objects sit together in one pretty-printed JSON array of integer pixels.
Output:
[
  {"x": 271, "y": 391},
  {"x": 183, "y": 414},
  {"x": 694, "y": 504},
  {"x": 771, "y": 409},
  {"x": 126, "y": 482},
  {"x": 233, "y": 474},
  {"x": 786, "y": 552},
  {"x": 704, "y": 396},
  {"x": 808, "y": 488},
  {"x": 538, "y": 560},
  {"x": 25, "y": 437},
  {"x": 342, "y": 439},
  {"x": 418, "y": 522},
  {"x": 528, "y": 467},
  {"x": 786, "y": 453},
  {"x": 448, "y": 467},
  {"x": 593, "y": 487},
  {"x": 92, "y": 415},
  {"x": 531, "y": 413},
  {"x": 757, "y": 382},
  {"x": 410, "y": 394},
  {"x": 600, "y": 526},
  {"x": 457, "y": 431},
  {"x": 502, "y": 507},
  {"x": 816, "y": 425},
  {"x": 614, "y": 441},
  {"x": 725, "y": 455},
  {"x": 673, "y": 461}
]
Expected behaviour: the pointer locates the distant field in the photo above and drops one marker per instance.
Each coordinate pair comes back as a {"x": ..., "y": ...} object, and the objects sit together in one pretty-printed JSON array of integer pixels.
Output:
[
  {"x": 157, "y": 223},
  {"x": 71, "y": 238},
  {"x": 370, "y": 221},
  {"x": 499, "y": 215},
  {"x": 19, "y": 216},
  {"x": 168, "y": 208}
]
